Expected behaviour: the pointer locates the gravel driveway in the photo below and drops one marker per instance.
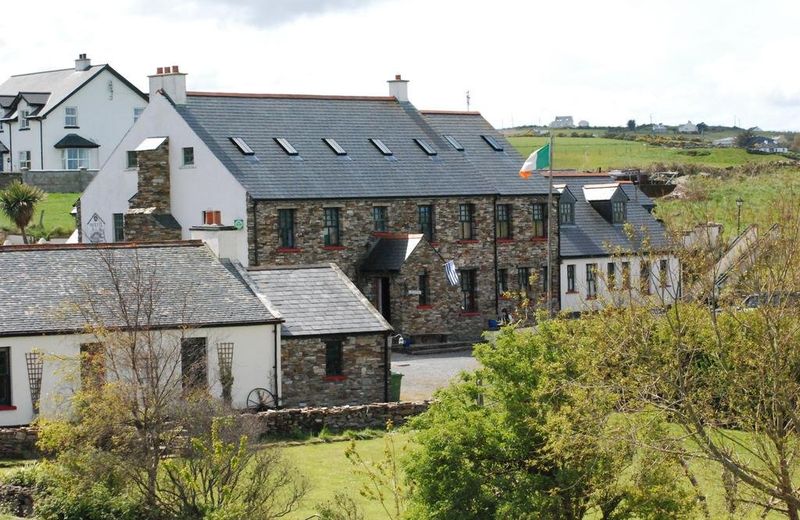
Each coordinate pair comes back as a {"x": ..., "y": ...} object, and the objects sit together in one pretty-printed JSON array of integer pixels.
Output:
[{"x": 422, "y": 374}]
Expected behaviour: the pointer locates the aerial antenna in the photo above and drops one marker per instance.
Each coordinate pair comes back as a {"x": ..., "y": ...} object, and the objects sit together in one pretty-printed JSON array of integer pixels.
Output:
[{"x": 468, "y": 101}]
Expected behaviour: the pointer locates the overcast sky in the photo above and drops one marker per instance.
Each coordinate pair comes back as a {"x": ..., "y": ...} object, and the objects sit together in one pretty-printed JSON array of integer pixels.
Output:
[{"x": 522, "y": 61}]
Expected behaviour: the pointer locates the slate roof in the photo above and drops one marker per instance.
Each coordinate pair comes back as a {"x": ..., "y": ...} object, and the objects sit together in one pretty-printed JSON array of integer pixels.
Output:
[
  {"x": 593, "y": 235},
  {"x": 318, "y": 300},
  {"x": 390, "y": 251},
  {"x": 318, "y": 173},
  {"x": 50, "y": 284},
  {"x": 51, "y": 88},
  {"x": 75, "y": 141}
]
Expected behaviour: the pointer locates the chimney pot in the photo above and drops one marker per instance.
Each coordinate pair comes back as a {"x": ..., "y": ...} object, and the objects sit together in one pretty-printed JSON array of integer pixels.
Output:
[
  {"x": 398, "y": 88},
  {"x": 82, "y": 63},
  {"x": 166, "y": 69},
  {"x": 175, "y": 68},
  {"x": 160, "y": 70},
  {"x": 397, "y": 76}
]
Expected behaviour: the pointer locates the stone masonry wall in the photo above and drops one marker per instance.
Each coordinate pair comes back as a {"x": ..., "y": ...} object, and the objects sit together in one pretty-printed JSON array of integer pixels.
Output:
[
  {"x": 18, "y": 442},
  {"x": 303, "y": 371},
  {"x": 356, "y": 225},
  {"x": 146, "y": 227},
  {"x": 153, "y": 186}
]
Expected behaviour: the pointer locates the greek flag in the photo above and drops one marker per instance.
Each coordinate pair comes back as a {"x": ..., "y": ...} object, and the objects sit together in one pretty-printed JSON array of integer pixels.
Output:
[{"x": 452, "y": 274}]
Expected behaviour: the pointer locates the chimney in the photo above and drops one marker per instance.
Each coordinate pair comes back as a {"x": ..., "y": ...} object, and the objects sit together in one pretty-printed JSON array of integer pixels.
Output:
[
  {"x": 171, "y": 81},
  {"x": 398, "y": 87},
  {"x": 82, "y": 63}
]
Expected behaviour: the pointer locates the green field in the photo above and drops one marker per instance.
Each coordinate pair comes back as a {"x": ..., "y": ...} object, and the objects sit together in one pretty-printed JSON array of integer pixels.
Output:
[
  {"x": 596, "y": 152},
  {"x": 56, "y": 209}
]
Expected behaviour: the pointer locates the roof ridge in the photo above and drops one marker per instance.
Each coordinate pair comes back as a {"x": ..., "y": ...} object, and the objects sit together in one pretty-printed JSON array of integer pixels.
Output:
[
  {"x": 333, "y": 97},
  {"x": 450, "y": 112},
  {"x": 100, "y": 245},
  {"x": 268, "y": 267},
  {"x": 57, "y": 70}
]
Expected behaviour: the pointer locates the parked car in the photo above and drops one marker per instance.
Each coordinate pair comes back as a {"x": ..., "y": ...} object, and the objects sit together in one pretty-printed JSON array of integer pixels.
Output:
[{"x": 775, "y": 299}]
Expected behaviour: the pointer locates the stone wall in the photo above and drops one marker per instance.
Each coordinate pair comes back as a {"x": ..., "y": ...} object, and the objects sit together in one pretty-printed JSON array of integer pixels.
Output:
[
  {"x": 153, "y": 190},
  {"x": 7, "y": 178},
  {"x": 51, "y": 181},
  {"x": 303, "y": 371},
  {"x": 142, "y": 225},
  {"x": 19, "y": 442},
  {"x": 521, "y": 250},
  {"x": 336, "y": 419}
]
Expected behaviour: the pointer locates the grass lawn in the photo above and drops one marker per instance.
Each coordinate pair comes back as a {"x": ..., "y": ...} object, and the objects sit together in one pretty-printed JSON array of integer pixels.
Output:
[
  {"x": 592, "y": 153},
  {"x": 56, "y": 209},
  {"x": 714, "y": 200}
]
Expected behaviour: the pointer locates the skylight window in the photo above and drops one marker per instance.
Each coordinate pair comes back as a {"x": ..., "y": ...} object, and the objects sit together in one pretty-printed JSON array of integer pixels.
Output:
[
  {"x": 425, "y": 147},
  {"x": 242, "y": 146},
  {"x": 454, "y": 142},
  {"x": 380, "y": 146},
  {"x": 336, "y": 147},
  {"x": 493, "y": 143},
  {"x": 287, "y": 146}
]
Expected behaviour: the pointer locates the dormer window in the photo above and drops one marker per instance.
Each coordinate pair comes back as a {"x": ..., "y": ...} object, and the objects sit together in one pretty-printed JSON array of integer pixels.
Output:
[
  {"x": 566, "y": 212},
  {"x": 618, "y": 212}
]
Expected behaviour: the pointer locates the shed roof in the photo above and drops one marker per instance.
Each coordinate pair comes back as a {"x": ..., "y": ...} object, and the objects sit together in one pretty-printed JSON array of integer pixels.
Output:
[
  {"x": 390, "y": 251},
  {"x": 318, "y": 300},
  {"x": 51, "y": 284},
  {"x": 75, "y": 141}
]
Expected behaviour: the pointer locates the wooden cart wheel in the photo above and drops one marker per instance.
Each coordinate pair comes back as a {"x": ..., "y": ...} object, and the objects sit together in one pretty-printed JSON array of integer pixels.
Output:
[{"x": 261, "y": 399}]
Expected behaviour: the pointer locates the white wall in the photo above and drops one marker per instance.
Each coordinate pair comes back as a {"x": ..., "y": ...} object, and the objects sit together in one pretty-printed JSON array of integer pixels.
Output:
[
  {"x": 577, "y": 301},
  {"x": 252, "y": 367},
  {"x": 102, "y": 118},
  {"x": 207, "y": 185}
]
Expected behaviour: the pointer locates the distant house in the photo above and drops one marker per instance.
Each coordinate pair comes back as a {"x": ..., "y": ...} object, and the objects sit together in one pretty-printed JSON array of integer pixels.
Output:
[
  {"x": 659, "y": 128},
  {"x": 688, "y": 128},
  {"x": 583, "y": 123},
  {"x": 68, "y": 119},
  {"x": 763, "y": 144},
  {"x": 725, "y": 142},
  {"x": 562, "y": 122}
]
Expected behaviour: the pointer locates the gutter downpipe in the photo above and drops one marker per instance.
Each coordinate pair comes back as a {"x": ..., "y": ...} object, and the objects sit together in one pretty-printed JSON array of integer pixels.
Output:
[
  {"x": 387, "y": 368},
  {"x": 41, "y": 145},
  {"x": 278, "y": 397},
  {"x": 10, "y": 148},
  {"x": 494, "y": 236},
  {"x": 255, "y": 234}
]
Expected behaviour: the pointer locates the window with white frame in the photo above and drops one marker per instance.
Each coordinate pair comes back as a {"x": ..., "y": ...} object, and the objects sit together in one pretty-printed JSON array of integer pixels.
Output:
[
  {"x": 131, "y": 159},
  {"x": 188, "y": 156},
  {"x": 23, "y": 119},
  {"x": 71, "y": 117},
  {"x": 75, "y": 158},
  {"x": 25, "y": 159},
  {"x": 136, "y": 113}
]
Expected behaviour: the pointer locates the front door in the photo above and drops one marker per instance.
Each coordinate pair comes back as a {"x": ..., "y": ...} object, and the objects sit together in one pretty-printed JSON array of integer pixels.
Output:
[{"x": 383, "y": 297}]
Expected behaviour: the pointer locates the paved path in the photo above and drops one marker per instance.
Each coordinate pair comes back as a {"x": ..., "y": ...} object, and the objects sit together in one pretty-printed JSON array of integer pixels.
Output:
[{"x": 424, "y": 374}]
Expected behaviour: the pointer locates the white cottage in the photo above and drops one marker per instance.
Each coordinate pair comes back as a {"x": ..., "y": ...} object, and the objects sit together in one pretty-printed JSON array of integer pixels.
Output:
[
  {"x": 200, "y": 303},
  {"x": 65, "y": 119}
]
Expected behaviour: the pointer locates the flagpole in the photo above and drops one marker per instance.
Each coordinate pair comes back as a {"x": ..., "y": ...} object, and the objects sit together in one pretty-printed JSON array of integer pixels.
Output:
[{"x": 550, "y": 228}]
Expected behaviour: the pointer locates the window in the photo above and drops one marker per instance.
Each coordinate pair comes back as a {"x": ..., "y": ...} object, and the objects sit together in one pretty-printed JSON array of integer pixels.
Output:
[
  {"x": 287, "y": 146},
  {"x": 663, "y": 272},
  {"x": 131, "y": 159},
  {"x": 591, "y": 280},
  {"x": 137, "y": 112},
  {"x": 334, "y": 358},
  {"x": 119, "y": 227},
  {"x": 617, "y": 212},
  {"x": 626, "y": 275},
  {"x": 426, "y": 221},
  {"x": 428, "y": 149},
  {"x": 380, "y": 146},
  {"x": 5, "y": 376},
  {"x": 71, "y": 117},
  {"x": 75, "y": 158},
  {"x": 24, "y": 124},
  {"x": 466, "y": 219},
  {"x": 491, "y": 141},
  {"x": 567, "y": 212},
  {"x": 242, "y": 146},
  {"x": 454, "y": 143},
  {"x": 524, "y": 278},
  {"x": 25, "y": 159},
  {"x": 380, "y": 218},
  {"x": 194, "y": 366},
  {"x": 502, "y": 281},
  {"x": 336, "y": 147},
  {"x": 539, "y": 220},
  {"x": 611, "y": 275},
  {"x": 188, "y": 156},
  {"x": 422, "y": 286},
  {"x": 543, "y": 278},
  {"x": 469, "y": 301},
  {"x": 571, "y": 278},
  {"x": 212, "y": 218},
  {"x": 504, "y": 221},
  {"x": 93, "y": 372},
  {"x": 331, "y": 227},
  {"x": 644, "y": 277},
  {"x": 286, "y": 228}
]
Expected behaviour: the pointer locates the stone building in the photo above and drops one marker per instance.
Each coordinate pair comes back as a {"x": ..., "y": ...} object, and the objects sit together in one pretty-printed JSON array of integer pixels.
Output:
[{"x": 302, "y": 179}]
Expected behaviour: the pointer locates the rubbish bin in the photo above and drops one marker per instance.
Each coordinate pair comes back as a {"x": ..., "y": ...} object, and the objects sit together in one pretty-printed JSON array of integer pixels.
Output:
[{"x": 394, "y": 386}]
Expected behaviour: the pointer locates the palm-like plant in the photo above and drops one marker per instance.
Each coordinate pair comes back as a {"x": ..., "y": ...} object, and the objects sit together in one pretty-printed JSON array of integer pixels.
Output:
[{"x": 18, "y": 202}]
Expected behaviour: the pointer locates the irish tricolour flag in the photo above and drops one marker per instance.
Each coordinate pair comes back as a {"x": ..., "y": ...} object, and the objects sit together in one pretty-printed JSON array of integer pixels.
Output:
[{"x": 538, "y": 160}]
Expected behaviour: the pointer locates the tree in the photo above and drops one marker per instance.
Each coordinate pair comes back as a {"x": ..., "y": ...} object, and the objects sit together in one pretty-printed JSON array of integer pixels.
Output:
[
  {"x": 141, "y": 401},
  {"x": 18, "y": 203},
  {"x": 743, "y": 138},
  {"x": 531, "y": 434},
  {"x": 702, "y": 127},
  {"x": 631, "y": 125},
  {"x": 726, "y": 374}
]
